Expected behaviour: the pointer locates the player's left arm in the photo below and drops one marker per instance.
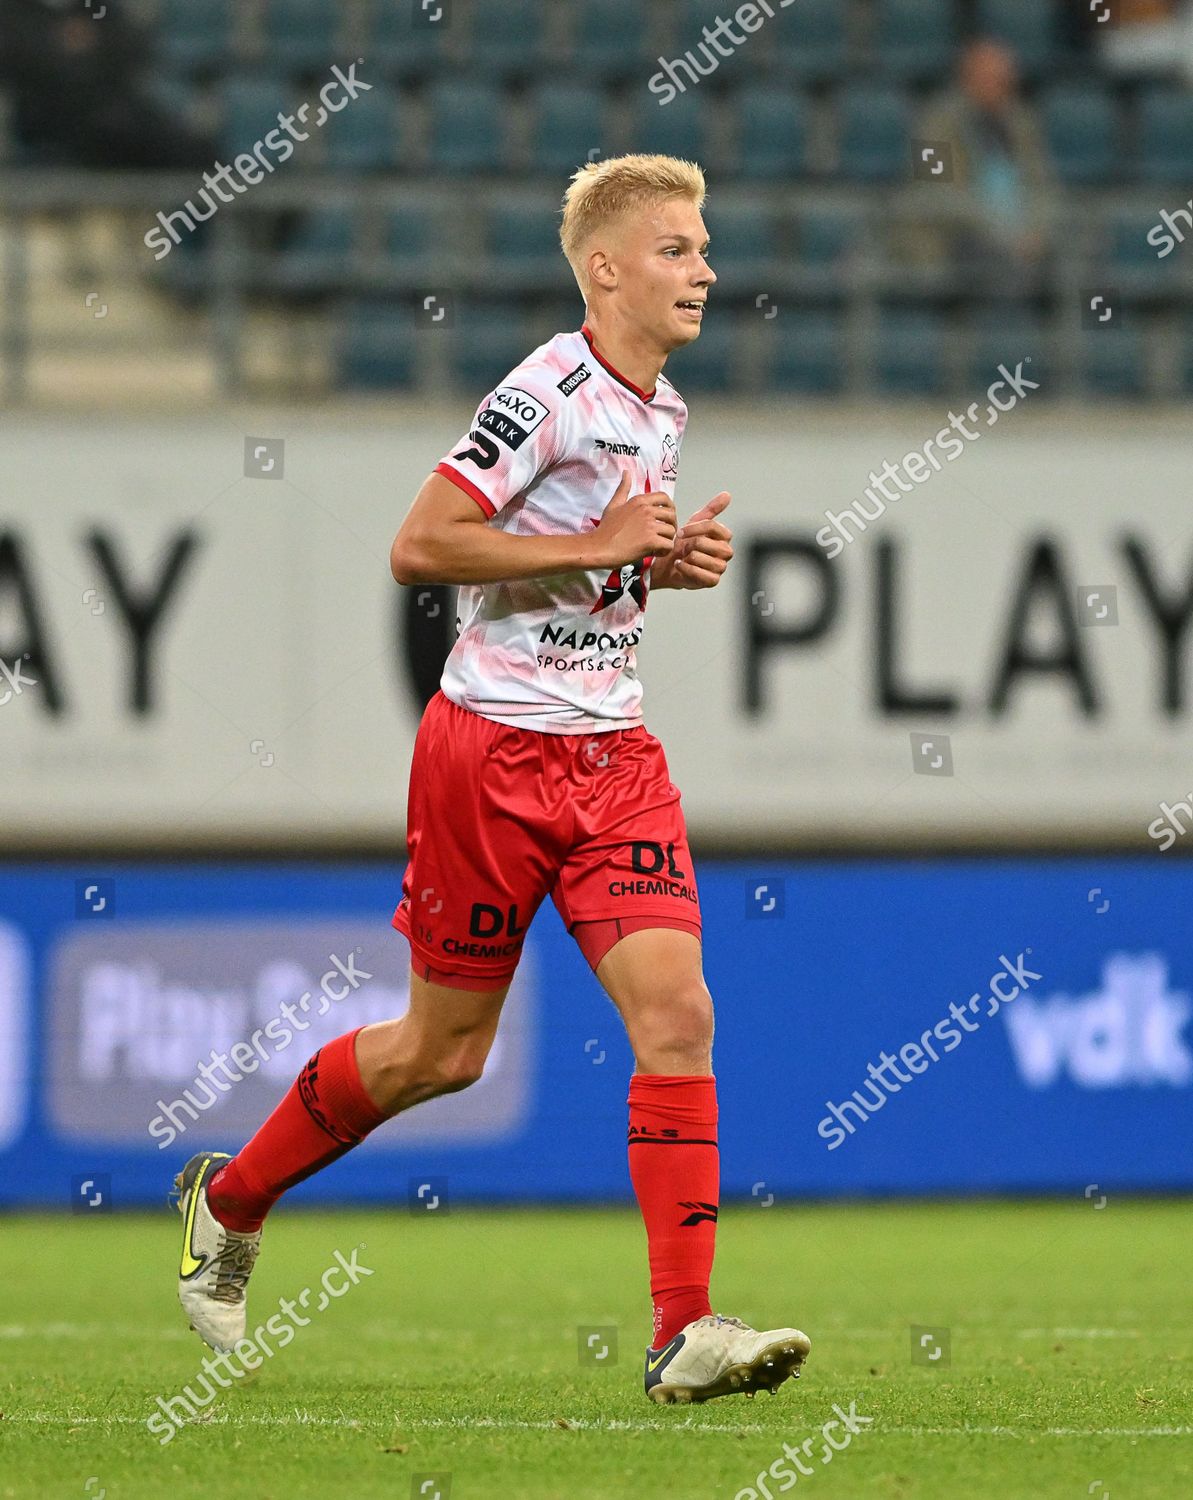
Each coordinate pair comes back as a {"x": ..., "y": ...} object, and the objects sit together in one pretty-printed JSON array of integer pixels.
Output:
[{"x": 702, "y": 550}]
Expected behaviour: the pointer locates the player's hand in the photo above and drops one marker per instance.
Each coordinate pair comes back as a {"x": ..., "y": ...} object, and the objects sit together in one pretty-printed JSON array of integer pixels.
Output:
[
  {"x": 701, "y": 553},
  {"x": 635, "y": 527}
]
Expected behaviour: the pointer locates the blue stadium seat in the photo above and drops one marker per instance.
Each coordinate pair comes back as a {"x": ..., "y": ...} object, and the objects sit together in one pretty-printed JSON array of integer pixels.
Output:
[
  {"x": 319, "y": 251},
  {"x": 409, "y": 232},
  {"x": 466, "y": 127},
  {"x": 875, "y": 133},
  {"x": 1166, "y": 137},
  {"x": 772, "y": 132},
  {"x": 568, "y": 121},
  {"x": 364, "y": 136},
  {"x": 251, "y": 105},
  {"x": 1114, "y": 363},
  {"x": 1131, "y": 262},
  {"x": 195, "y": 34},
  {"x": 744, "y": 244},
  {"x": 1004, "y": 336},
  {"x": 1029, "y": 27},
  {"x": 377, "y": 346},
  {"x": 508, "y": 38},
  {"x": 679, "y": 128},
  {"x": 610, "y": 39},
  {"x": 1081, "y": 122},
  {"x": 909, "y": 355},
  {"x": 524, "y": 239},
  {"x": 706, "y": 365},
  {"x": 302, "y": 34},
  {"x": 824, "y": 237},
  {"x": 810, "y": 352},
  {"x": 810, "y": 41},
  {"x": 405, "y": 41},
  {"x": 914, "y": 39},
  {"x": 488, "y": 340}
]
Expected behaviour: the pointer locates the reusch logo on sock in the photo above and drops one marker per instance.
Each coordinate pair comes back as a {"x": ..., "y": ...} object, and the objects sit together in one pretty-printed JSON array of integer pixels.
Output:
[{"x": 701, "y": 1213}]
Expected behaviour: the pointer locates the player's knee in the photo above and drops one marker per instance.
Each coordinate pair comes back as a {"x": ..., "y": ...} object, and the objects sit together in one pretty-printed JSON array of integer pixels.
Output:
[
  {"x": 682, "y": 1021},
  {"x": 461, "y": 1067}
]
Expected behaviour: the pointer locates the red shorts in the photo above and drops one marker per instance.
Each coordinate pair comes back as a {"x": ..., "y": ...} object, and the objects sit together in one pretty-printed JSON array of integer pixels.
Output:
[{"x": 499, "y": 816}]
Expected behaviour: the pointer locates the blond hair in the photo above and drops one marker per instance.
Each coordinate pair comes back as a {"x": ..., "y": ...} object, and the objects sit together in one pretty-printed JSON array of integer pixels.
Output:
[{"x": 604, "y": 190}]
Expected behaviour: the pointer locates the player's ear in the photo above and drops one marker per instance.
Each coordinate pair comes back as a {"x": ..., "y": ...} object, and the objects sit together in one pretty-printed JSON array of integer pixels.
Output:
[{"x": 601, "y": 272}]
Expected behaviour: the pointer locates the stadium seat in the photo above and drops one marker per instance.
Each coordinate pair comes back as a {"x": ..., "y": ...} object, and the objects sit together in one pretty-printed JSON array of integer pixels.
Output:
[
  {"x": 772, "y": 132},
  {"x": 319, "y": 251},
  {"x": 810, "y": 352},
  {"x": 1166, "y": 137},
  {"x": 744, "y": 243},
  {"x": 567, "y": 123},
  {"x": 1029, "y": 27},
  {"x": 1114, "y": 363},
  {"x": 707, "y": 365},
  {"x": 488, "y": 341},
  {"x": 405, "y": 41},
  {"x": 810, "y": 41},
  {"x": 875, "y": 133},
  {"x": 409, "y": 232},
  {"x": 610, "y": 39},
  {"x": 508, "y": 39},
  {"x": 250, "y": 106},
  {"x": 679, "y": 128},
  {"x": 914, "y": 39},
  {"x": 377, "y": 346},
  {"x": 302, "y": 34},
  {"x": 825, "y": 236},
  {"x": 466, "y": 127},
  {"x": 1004, "y": 336},
  {"x": 524, "y": 240},
  {"x": 1081, "y": 123},
  {"x": 364, "y": 136},
  {"x": 909, "y": 354},
  {"x": 194, "y": 34}
]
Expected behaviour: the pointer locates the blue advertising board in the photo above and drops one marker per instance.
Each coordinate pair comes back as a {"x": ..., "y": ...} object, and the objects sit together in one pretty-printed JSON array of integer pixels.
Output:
[{"x": 883, "y": 1027}]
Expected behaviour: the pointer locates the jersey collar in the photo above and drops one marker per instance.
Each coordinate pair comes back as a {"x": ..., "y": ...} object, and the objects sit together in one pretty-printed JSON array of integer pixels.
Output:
[{"x": 644, "y": 396}]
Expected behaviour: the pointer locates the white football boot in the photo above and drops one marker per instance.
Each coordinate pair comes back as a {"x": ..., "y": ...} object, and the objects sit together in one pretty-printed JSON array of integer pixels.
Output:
[
  {"x": 216, "y": 1262},
  {"x": 717, "y": 1356}
]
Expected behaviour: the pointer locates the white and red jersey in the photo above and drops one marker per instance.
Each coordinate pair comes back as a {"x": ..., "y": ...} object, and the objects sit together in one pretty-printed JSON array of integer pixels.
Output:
[{"x": 544, "y": 456}]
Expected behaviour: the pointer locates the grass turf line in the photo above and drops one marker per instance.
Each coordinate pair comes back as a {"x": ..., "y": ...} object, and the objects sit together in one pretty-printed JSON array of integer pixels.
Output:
[{"x": 1071, "y": 1356}]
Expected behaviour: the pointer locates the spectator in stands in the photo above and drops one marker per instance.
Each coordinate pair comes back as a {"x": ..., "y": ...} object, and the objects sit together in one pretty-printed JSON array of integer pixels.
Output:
[
  {"x": 77, "y": 83},
  {"x": 999, "y": 230}
]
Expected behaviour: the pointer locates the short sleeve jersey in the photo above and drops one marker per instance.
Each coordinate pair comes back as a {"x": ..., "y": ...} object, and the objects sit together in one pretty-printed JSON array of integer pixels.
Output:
[{"x": 543, "y": 457}]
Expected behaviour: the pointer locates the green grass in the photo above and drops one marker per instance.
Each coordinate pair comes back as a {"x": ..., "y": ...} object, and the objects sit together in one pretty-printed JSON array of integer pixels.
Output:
[{"x": 1072, "y": 1357}]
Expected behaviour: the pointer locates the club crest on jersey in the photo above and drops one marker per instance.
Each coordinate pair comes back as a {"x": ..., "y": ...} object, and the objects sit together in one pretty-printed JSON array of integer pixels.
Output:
[
  {"x": 627, "y": 579},
  {"x": 670, "y": 470}
]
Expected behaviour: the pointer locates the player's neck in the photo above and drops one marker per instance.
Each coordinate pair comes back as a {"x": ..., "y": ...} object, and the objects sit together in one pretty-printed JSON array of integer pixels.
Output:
[{"x": 630, "y": 355}]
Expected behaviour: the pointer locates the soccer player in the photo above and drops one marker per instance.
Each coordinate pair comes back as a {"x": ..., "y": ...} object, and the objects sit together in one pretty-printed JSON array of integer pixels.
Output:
[{"x": 533, "y": 773}]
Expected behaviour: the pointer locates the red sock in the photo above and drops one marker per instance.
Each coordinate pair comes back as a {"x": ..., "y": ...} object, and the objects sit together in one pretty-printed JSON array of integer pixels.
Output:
[
  {"x": 675, "y": 1169},
  {"x": 325, "y": 1113}
]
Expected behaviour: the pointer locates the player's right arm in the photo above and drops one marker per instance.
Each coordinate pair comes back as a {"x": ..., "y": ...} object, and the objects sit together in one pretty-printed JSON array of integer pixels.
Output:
[{"x": 444, "y": 538}]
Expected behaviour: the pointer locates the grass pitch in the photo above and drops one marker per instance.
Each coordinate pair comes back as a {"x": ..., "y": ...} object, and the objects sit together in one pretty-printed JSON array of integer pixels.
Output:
[{"x": 1070, "y": 1372}]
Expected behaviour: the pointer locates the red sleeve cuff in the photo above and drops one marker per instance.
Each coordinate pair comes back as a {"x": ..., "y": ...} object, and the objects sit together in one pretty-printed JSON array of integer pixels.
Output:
[{"x": 468, "y": 487}]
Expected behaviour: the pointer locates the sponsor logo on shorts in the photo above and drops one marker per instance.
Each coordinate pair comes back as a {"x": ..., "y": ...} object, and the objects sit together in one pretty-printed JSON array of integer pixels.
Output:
[
  {"x": 575, "y": 380},
  {"x": 662, "y": 876}
]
